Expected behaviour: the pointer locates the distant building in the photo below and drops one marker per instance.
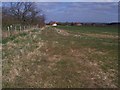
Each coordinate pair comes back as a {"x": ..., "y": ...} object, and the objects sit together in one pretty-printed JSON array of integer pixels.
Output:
[
  {"x": 54, "y": 24},
  {"x": 78, "y": 24}
]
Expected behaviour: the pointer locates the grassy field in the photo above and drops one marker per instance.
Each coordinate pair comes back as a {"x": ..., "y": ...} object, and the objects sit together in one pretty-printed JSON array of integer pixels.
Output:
[{"x": 61, "y": 57}]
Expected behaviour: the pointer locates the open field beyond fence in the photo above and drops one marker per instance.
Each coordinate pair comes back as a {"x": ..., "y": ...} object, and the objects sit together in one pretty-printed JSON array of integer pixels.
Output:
[{"x": 63, "y": 56}]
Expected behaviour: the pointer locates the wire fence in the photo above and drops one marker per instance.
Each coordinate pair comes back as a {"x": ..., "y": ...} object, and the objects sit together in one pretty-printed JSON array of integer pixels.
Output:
[{"x": 16, "y": 29}]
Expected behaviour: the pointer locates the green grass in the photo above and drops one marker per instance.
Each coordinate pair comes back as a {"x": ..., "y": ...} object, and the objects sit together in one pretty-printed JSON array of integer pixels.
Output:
[
  {"x": 48, "y": 59},
  {"x": 91, "y": 29},
  {"x": 12, "y": 37}
]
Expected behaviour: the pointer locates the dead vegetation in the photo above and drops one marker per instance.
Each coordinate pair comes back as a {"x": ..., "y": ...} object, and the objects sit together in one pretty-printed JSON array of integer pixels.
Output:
[
  {"x": 50, "y": 59},
  {"x": 62, "y": 32}
]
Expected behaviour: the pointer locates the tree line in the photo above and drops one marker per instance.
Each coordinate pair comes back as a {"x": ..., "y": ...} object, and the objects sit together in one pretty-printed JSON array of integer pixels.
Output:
[{"x": 23, "y": 13}]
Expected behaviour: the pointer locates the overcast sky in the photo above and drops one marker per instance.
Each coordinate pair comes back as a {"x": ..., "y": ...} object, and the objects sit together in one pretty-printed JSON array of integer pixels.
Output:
[
  {"x": 80, "y": 11},
  {"x": 61, "y": 0}
]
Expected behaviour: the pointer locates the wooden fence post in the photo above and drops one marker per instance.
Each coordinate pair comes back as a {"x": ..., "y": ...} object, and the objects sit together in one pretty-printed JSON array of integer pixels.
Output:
[
  {"x": 24, "y": 27},
  {"x": 15, "y": 28},
  {"x": 11, "y": 29},
  {"x": 8, "y": 31},
  {"x": 20, "y": 28}
]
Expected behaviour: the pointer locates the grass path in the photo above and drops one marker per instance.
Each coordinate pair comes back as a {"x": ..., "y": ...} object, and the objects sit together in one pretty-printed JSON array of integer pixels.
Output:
[{"x": 50, "y": 58}]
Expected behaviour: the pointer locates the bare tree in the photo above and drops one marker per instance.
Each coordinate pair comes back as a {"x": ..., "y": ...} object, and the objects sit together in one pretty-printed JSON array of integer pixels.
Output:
[{"x": 23, "y": 13}]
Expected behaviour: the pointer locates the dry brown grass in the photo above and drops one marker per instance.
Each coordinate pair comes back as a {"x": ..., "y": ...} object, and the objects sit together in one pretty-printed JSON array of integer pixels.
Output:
[{"x": 49, "y": 59}]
